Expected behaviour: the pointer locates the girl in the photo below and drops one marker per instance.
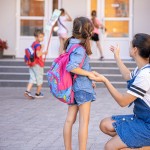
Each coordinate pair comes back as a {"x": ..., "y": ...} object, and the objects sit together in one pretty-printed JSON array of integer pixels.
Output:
[
  {"x": 62, "y": 29},
  {"x": 95, "y": 37},
  {"x": 131, "y": 131},
  {"x": 83, "y": 89}
]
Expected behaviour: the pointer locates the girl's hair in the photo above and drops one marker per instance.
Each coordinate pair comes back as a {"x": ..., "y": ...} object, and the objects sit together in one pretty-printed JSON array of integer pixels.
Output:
[
  {"x": 62, "y": 11},
  {"x": 82, "y": 29},
  {"x": 93, "y": 13},
  {"x": 142, "y": 42}
]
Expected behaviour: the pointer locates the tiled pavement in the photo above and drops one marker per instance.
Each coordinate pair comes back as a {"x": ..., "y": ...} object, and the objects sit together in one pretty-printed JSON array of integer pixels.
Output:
[{"x": 38, "y": 124}]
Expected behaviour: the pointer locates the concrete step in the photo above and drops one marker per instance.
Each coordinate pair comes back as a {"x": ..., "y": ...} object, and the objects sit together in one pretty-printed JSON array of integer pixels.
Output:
[
  {"x": 24, "y": 69},
  {"x": 25, "y": 76},
  {"x": 23, "y": 83},
  {"x": 14, "y": 73},
  {"x": 94, "y": 63}
]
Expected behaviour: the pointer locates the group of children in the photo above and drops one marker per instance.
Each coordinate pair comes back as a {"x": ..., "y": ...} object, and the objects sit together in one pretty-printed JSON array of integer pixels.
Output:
[{"x": 127, "y": 131}]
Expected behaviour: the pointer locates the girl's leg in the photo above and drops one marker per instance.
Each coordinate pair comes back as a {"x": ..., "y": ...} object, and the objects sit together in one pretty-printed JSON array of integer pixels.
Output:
[
  {"x": 100, "y": 48},
  {"x": 84, "y": 115},
  {"x": 107, "y": 127},
  {"x": 71, "y": 118},
  {"x": 61, "y": 47},
  {"x": 115, "y": 144}
]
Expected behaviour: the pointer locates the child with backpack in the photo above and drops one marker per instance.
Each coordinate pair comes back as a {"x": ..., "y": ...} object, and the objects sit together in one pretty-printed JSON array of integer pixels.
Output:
[
  {"x": 36, "y": 65},
  {"x": 131, "y": 131},
  {"x": 82, "y": 86}
]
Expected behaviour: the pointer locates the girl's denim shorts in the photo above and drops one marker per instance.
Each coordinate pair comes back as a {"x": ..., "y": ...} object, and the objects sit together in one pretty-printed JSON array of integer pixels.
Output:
[{"x": 82, "y": 97}]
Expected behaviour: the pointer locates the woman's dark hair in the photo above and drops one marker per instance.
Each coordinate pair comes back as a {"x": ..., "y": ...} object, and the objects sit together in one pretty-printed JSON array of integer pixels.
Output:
[
  {"x": 142, "y": 42},
  {"x": 62, "y": 11},
  {"x": 82, "y": 29},
  {"x": 93, "y": 13},
  {"x": 37, "y": 32}
]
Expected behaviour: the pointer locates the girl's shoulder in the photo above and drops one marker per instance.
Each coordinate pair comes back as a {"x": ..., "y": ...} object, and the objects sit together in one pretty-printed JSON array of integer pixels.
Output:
[{"x": 79, "y": 50}]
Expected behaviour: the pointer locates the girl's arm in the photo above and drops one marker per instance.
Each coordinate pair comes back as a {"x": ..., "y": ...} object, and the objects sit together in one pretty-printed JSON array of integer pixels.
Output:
[
  {"x": 69, "y": 18},
  {"x": 76, "y": 58},
  {"x": 122, "y": 99},
  {"x": 123, "y": 69},
  {"x": 82, "y": 72}
]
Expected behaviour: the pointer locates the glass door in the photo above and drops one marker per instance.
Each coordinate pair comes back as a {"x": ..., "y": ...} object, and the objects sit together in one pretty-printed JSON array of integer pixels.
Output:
[
  {"x": 117, "y": 19},
  {"x": 31, "y": 15}
]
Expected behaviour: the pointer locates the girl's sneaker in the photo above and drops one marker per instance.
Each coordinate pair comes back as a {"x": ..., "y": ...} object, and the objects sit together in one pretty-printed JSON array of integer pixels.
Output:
[
  {"x": 102, "y": 58},
  {"x": 28, "y": 95},
  {"x": 40, "y": 95}
]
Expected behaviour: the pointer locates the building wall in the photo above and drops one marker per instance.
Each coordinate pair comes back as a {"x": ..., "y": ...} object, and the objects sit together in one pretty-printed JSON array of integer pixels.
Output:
[
  {"x": 8, "y": 24},
  {"x": 141, "y": 12},
  {"x": 75, "y": 8}
]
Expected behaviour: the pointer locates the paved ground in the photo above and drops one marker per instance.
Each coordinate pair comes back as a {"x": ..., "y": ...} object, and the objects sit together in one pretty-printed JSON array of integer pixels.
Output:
[{"x": 38, "y": 124}]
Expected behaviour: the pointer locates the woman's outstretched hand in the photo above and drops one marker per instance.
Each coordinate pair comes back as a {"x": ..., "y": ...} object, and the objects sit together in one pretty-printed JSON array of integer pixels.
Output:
[{"x": 115, "y": 50}]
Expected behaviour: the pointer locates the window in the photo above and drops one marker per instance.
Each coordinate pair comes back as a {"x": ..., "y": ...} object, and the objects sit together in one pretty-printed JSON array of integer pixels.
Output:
[
  {"x": 116, "y": 18},
  {"x": 116, "y": 8},
  {"x": 31, "y": 16},
  {"x": 93, "y": 5},
  {"x": 28, "y": 26},
  {"x": 32, "y": 8},
  {"x": 117, "y": 28}
]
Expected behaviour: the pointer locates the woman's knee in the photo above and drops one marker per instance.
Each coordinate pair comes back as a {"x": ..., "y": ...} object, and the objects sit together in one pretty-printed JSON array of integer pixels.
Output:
[
  {"x": 103, "y": 124},
  {"x": 106, "y": 125}
]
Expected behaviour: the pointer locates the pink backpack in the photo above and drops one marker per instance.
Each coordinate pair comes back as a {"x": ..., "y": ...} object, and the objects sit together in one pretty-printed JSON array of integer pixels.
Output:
[{"x": 60, "y": 80}]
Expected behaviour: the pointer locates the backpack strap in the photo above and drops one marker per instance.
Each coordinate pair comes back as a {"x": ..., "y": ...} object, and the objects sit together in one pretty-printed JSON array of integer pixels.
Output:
[
  {"x": 81, "y": 64},
  {"x": 36, "y": 45},
  {"x": 62, "y": 25}
]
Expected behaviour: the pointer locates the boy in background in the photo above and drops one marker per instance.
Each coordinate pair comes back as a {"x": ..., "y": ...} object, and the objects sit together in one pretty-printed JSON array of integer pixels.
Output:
[{"x": 36, "y": 69}]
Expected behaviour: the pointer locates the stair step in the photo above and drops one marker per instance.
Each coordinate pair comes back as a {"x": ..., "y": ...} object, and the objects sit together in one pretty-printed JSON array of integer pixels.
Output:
[
  {"x": 25, "y": 76},
  {"x": 14, "y": 72},
  {"x": 105, "y": 63},
  {"x": 23, "y": 83},
  {"x": 11, "y": 70}
]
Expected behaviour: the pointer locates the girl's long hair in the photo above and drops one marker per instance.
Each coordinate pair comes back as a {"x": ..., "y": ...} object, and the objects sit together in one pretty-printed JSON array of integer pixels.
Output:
[{"x": 82, "y": 29}]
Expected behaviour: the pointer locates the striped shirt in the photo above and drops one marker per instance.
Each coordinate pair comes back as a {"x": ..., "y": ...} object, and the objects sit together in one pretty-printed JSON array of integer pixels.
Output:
[{"x": 141, "y": 85}]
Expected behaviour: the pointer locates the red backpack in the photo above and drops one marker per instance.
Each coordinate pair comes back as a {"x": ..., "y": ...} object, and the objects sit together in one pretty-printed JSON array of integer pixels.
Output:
[{"x": 29, "y": 56}]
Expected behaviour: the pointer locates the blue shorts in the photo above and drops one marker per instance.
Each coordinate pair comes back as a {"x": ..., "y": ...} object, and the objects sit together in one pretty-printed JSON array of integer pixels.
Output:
[
  {"x": 82, "y": 97},
  {"x": 134, "y": 132}
]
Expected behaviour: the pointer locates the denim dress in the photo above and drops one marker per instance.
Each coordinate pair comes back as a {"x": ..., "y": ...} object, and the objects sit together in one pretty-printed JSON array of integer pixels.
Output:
[
  {"x": 82, "y": 85},
  {"x": 134, "y": 130}
]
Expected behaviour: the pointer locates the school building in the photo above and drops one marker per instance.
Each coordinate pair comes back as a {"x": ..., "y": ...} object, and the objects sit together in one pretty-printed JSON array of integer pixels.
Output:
[{"x": 122, "y": 19}]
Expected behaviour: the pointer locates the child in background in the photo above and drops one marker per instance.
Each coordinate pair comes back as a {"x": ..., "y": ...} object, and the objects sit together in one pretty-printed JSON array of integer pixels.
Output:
[
  {"x": 95, "y": 37},
  {"x": 36, "y": 69},
  {"x": 82, "y": 86},
  {"x": 131, "y": 131},
  {"x": 62, "y": 29}
]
